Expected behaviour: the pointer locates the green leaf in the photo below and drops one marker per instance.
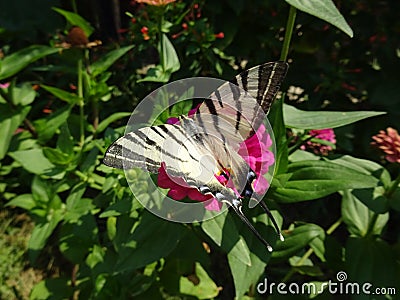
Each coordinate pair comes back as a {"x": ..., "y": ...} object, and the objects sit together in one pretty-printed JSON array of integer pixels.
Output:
[
  {"x": 296, "y": 239},
  {"x": 156, "y": 74},
  {"x": 372, "y": 261},
  {"x": 374, "y": 198},
  {"x": 107, "y": 60},
  {"x": 17, "y": 61},
  {"x": 41, "y": 232},
  {"x": 47, "y": 127},
  {"x": 169, "y": 58},
  {"x": 114, "y": 117},
  {"x": 42, "y": 192},
  {"x": 77, "y": 238},
  {"x": 76, "y": 206},
  {"x": 300, "y": 119},
  {"x": 204, "y": 288},
  {"x": 182, "y": 107},
  {"x": 315, "y": 179},
  {"x": 56, "y": 156},
  {"x": 9, "y": 122},
  {"x": 65, "y": 141},
  {"x": 222, "y": 230},
  {"x": 23, "y": 95},
  {"x": 152, "y": 239},
  {"x": 35, "y": 162},
  {"x": 359, "y": 218},
  {"x": 325, "y": 10},
  {"x": 278, "y": 125},
  {"x": 24, "y": 201},
  {"x": 247, "y": 275},
  {"x": 52, "y": 288},
  {"x": 76, "y": 20},
  {"x": 62, "y": 95},
  {"x": 364, "y": 166}
]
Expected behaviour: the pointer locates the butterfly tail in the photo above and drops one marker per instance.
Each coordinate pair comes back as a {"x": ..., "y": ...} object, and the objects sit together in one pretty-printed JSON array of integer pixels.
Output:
[
  {"x": 237, "y": 207},
  {"x": 269, "y": 214}
]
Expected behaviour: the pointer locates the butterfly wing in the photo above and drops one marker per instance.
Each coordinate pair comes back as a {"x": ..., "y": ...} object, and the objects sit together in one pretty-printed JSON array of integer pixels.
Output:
[
  {"x": 185, "y": 154},
  {"x": 235, "y": 110}
]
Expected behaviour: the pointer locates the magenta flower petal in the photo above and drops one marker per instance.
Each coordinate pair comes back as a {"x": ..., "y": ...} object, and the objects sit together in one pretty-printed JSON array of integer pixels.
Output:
[
  {"x": 178, "y": 188},
  {"x": 172, "y": 120},
  {"x": 323, "y": 134},
  {"x": 213, "y": 205}
]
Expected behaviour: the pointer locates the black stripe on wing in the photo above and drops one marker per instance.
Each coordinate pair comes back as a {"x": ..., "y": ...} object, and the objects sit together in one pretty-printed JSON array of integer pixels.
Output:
[{"x": 268, "y": 77}]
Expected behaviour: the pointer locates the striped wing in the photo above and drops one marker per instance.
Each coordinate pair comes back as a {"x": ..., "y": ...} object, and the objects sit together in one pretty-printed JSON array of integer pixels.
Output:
[
  {"x": 237, "y": 109},
  {"x": 186, "y": 152}
]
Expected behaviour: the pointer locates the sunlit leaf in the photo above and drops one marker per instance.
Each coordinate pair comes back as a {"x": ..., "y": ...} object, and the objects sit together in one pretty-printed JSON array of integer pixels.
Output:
[
  {"x": 325, "y": 10},
  {"x": 301, "y": 119},
  {"x": 17, "y": 61}
]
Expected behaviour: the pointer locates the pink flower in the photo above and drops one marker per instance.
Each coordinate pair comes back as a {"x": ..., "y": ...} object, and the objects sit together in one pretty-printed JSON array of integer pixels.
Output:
[
  {"x": 179, "y": 189},
  {"x": 389, "y": 143},
  {"x": 4, "y": 85},
  {"x": 322, "y": 134},
  {"x": 220, "y": 35},
  {"x": 255, "y": 151}
]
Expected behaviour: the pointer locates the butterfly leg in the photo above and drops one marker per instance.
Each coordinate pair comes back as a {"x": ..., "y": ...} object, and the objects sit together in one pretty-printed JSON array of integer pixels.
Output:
[{"x": 237, "y": 207}]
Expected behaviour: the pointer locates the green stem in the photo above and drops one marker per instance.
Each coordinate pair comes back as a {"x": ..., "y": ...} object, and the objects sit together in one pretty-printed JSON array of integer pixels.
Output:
[
  {"x": 393, "y": 187},
  {"x": 74, "y": 8},
  {"x": 371, "y": 224},
  {"x": 81, "y": 103},
  {"x": 310, "y": 251},
  {"x": 161, "y": 39},
  {"x": 288, "y": 33}
]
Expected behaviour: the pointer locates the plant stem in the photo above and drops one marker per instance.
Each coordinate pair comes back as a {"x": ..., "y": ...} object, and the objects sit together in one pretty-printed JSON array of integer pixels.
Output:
[
  {"x": 371, "y": 224},
  {"x": 160, "y": 24},
  {"x": 288, "y": 33},
  {"x": 310, "y": 251},
  {"x": 74, "y": 8},
  {"x": 81, "y": 103}
]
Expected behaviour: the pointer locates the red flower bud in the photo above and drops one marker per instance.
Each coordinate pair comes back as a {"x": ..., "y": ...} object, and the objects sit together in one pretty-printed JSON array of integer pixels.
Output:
[{"x": 219, "y": 35}]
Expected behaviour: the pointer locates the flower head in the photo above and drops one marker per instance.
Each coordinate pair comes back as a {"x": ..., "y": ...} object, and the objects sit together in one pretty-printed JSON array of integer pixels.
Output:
[
  {"x": 389, "y": 143},
  {"x": 255, "y": 151},
  {"x": 156, "y": 2},
  {"x": 322, "y": 134}
]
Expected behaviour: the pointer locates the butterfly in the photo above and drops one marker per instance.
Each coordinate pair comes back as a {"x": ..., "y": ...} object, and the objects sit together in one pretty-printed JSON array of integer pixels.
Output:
[{"x": 207, "y": 143}]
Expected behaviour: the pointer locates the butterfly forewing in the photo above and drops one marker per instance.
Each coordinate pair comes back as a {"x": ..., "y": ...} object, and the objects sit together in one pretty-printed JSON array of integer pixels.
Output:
[{"x": 236, "y": 110}]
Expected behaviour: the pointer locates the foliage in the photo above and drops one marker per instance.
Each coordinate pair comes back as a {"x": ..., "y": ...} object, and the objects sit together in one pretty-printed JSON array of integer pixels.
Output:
[{"x": 66, "y": 103}]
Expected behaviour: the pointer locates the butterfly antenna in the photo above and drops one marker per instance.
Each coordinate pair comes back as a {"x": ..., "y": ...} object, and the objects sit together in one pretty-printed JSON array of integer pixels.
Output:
[
  {"x": 269, "y": 214},
  {"x": 237, "y": 207}
]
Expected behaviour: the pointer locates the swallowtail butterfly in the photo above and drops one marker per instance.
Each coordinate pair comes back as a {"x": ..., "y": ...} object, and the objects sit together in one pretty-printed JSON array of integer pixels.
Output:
[{"x": 226, "y": 118}]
